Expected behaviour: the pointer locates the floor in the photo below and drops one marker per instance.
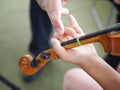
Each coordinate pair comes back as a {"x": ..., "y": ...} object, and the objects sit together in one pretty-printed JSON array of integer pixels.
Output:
[{"x": 15, "y": 37}]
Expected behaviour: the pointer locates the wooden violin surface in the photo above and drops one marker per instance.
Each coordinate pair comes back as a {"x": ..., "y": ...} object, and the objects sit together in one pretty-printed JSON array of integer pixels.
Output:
[
  {"x": 29, "y": 65},
  {"x": 115, "y": 44},
  {"x": 108, "y": 39}
]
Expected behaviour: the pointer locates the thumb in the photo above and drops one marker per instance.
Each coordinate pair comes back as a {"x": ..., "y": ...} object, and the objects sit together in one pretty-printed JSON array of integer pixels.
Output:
[{"x": 61, "y": 52}]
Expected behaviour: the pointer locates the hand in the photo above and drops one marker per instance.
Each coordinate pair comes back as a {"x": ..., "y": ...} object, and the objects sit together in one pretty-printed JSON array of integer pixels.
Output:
[
  {"x": 74, "y": 55},
  {"x": 55, "y": 10}
]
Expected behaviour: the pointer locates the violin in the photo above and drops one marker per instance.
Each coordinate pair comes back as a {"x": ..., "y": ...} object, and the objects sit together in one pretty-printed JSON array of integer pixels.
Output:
[{"x": 108, "y": 37}]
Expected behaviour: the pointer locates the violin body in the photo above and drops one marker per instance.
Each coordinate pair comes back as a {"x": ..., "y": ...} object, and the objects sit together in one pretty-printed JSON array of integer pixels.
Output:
[{"x": 115, "y": 44}]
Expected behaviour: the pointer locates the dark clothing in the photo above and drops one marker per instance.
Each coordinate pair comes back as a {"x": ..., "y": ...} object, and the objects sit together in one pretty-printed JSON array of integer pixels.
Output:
[
  {"x": 41, "y": 28},
  {"x": 112, "y": 60}
]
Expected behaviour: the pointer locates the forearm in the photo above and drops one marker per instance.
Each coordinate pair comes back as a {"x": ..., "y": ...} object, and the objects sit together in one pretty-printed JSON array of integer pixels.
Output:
[{"x": 107, "y": 77}]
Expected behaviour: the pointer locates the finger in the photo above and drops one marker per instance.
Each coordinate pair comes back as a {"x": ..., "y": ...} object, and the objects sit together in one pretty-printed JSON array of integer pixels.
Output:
[
  {"x": 65, "y": 11},
  {"x": 54, "y": 11},
  {"x": 61, "y": 52},
  {"x": 57, "y": 22},
  {"x": 68, "y": 38},
  {"x": 58, "y": 25},
  {"x": 75, "y": 25},
  {"x": 59, "y": 37},
  {"x": 70, "y": 32}
]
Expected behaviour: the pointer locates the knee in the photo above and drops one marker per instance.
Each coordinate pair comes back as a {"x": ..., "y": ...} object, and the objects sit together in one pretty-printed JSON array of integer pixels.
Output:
[
  {"x": 71, "y": 74},
  {"x": 71, "y": 77},
  {"x": 78, "y": 79}
]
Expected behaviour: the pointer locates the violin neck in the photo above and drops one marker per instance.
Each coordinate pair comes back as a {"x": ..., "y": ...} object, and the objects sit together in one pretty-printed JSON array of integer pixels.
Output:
[
  {"x": 98, "y": 36},
  {"x": 75, "y": 43}
]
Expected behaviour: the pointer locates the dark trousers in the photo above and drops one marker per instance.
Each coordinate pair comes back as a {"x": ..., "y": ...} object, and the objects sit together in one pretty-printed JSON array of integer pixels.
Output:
[{"x": 41, "y": 28}]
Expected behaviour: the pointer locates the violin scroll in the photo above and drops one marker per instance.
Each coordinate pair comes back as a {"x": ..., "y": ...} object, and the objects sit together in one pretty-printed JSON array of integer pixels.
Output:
[
  {"x": 25, "y": 62},
  {"x": 29, "y": 65}
]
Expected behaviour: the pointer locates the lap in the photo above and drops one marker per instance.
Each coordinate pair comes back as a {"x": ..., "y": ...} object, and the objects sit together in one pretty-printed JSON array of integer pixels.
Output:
[{"x": 78, "y": 79}]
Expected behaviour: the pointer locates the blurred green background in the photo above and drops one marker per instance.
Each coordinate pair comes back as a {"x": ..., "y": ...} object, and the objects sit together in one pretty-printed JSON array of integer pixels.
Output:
[{"x": 15, "y": 37}]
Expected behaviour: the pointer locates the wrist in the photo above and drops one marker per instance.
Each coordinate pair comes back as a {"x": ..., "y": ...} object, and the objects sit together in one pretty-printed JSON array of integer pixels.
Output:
[{"x": 92, "y": 60}]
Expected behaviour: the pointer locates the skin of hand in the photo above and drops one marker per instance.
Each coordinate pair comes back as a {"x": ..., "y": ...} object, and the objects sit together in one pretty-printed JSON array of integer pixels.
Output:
[
  {"x": 55, "y": 10},
  {"x": 87, "y": 58},
  {"x": 77, "y": 54},
  {"x": 117, "y": 1}
]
